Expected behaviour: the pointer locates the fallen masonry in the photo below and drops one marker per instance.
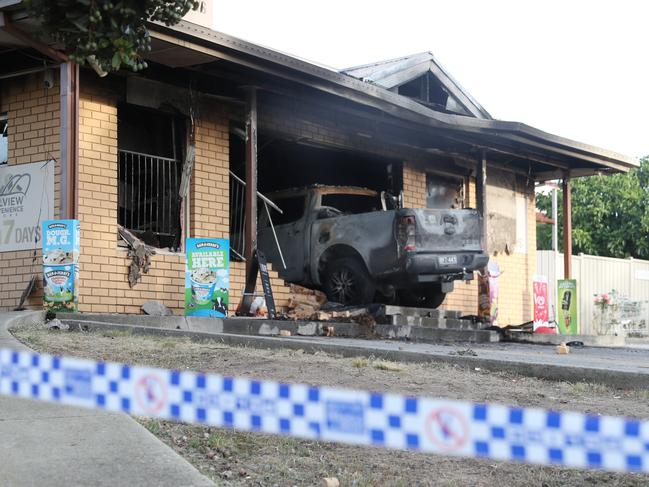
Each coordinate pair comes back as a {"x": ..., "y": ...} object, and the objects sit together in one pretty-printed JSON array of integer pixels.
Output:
[{"x": 377, "y": 321}]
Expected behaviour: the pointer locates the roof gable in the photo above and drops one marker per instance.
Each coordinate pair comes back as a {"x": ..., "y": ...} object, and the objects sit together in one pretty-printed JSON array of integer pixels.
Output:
[{"x": 393, "y": 74}]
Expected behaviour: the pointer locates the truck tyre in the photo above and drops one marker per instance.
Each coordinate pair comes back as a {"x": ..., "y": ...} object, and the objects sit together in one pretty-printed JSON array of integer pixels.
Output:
[
  {"x": 347, "y": 281},
  {"x": 429, "y": 297}
]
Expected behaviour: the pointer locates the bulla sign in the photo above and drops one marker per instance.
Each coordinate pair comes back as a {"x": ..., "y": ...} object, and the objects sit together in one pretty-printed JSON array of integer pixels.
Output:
[{"x": 26, "y": 200}]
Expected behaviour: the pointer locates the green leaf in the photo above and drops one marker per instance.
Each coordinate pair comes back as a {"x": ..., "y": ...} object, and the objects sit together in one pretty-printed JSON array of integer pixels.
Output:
[
  {"x": 117, "y": 61},
  {"x": 115, "y": 33}
]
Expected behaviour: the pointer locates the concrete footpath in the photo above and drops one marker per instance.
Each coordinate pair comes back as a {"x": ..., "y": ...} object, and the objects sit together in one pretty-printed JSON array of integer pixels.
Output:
[{"x": 45, "y": 444}]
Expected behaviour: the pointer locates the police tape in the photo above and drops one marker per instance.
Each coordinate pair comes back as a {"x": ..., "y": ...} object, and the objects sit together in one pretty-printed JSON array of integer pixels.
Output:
[{"x": 323, "y": 413}]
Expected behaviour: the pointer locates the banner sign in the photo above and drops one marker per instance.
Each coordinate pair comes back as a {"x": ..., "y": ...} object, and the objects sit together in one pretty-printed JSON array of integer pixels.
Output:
[
  {"x": 61, "y": 243},
  {"x": 356, "y": 417},
  {"x": 207, "y": 277},
  {"x": 266, "y": 285},
  {"x": 26, "y": 199},
  {"x": 567, "y": 307},
  {"x": 541, "y": 306}
]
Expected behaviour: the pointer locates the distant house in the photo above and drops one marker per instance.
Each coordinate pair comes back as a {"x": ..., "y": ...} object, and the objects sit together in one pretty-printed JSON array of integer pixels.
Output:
[{"x": 119, "y": 146}]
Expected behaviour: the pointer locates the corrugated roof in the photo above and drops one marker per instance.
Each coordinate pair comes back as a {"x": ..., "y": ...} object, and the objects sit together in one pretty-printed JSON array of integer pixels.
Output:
[{"x": 366, "y": 70}]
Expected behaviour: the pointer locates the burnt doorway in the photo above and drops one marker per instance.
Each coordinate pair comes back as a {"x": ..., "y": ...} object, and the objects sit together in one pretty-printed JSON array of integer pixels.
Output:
[
  {"x": 293, "y": 164},
  {"x": 284, "y": 164}
]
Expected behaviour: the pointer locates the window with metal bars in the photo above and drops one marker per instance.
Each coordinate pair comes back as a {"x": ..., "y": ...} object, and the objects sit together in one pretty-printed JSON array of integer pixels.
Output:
[{"x": 149, "y": 170}]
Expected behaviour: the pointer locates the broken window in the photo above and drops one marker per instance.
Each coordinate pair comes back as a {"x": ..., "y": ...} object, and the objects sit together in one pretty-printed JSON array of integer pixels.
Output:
[
  {"x": 4, "y": 139},
  {"x": 428, "y": 90},
  {"x": 352, "y": 204},
  {"x": 149, "y": 169},
  {"x": 444, "y": 192},
  {"x": 425, "y": 89},
  {"x": 292, "y": 210}
]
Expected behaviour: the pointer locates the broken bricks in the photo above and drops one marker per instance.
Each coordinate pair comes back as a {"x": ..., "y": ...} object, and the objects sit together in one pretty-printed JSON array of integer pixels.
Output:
[
  {"x": 304, "y": 303},
  {"x": 562, "y": 349}
]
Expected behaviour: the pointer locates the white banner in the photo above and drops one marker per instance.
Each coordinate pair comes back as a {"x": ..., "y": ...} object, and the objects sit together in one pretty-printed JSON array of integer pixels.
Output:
[{"x": 26, "y": 199}]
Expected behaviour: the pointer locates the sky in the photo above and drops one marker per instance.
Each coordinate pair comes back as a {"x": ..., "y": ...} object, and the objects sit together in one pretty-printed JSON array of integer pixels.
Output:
[{"x": 579, "y": 69}]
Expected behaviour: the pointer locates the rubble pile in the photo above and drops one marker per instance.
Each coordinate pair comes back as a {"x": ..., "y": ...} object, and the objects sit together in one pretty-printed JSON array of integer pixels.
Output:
[{"x": 304, "y": 303}]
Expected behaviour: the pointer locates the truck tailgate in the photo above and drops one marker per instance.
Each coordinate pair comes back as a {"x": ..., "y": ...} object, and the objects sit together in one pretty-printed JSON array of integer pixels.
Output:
[{"x": 447, "y": 230}]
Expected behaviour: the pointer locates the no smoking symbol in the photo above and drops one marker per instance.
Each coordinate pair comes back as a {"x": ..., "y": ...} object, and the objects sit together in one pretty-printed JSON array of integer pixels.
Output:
[
  {"x": 447, "y": 429},
  {"x": 151, "y": 393}
]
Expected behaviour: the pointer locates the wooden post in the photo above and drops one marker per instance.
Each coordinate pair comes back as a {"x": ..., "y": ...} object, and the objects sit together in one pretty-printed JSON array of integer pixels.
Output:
[
  {"x": 69, "y": 137},
  {"x": 250, "y": 228},
  {"x": 481, "y": 196},
  {"x": 567, "y": 227},
  {"x": 484, "y": 303}
]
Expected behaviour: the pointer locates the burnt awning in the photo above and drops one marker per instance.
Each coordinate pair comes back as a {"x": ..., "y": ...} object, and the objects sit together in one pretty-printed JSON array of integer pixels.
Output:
[{"x": 542, "y": 155}]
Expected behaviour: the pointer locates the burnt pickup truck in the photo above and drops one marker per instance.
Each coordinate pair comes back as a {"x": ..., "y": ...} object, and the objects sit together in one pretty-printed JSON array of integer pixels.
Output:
[{"x": 346, "y": 242}]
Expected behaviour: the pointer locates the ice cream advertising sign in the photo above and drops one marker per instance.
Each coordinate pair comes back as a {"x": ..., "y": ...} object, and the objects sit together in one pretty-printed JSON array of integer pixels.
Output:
[
  {"x": 567, "y": 307},
  {"x": 61, "y": 264},
  {"x": 207, "y": 277},
  {"x": 541, "y": 306},
  {"x": 26, "y": 199}
]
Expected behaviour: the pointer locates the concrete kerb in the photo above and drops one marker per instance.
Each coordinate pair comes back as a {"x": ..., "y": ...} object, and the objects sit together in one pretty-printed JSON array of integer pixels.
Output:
[
  {"x": 265, "y": 327},
  {"x": 566, "y": 373},
  {"x": 604, "y": 341}
]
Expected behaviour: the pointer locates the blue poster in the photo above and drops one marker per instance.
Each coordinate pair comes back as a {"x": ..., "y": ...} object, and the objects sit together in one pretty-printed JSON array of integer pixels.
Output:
[
  {"x": 61, "y": 264},
  {"x": 207, "y": 277}
]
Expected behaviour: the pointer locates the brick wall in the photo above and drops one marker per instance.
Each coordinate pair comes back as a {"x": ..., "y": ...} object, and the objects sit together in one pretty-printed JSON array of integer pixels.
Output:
[
  {"x": 104, "y": 266},
  {"x": 518, "y": 270},
  {"x": 210, "y": 190},
  {"x": 464, "y": 297},
  {"x": 281, "y": 291},
  {"x": 34, "y": 120},
  {"x": 414, "y": 187},
  {"x": 515, "y": 303},
  {"x": 33, "y": 114}
]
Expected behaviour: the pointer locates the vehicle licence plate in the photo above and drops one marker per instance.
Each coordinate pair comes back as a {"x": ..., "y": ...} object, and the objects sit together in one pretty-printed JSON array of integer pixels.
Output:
[{"x": 448, "y": 260}]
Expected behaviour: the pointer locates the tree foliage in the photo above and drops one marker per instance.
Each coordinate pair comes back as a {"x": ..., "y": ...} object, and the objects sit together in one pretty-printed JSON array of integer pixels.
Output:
[
  {"x": 107, "y": 34},
  {"x": 610, "y": 215}
]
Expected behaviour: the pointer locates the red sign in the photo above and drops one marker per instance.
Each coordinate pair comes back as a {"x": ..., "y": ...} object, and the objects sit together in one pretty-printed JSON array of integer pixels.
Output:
[
  {"x": 541, "y": 305},
  {"x": 447, "y": 429},
  {"x": 151, "y": 393}
]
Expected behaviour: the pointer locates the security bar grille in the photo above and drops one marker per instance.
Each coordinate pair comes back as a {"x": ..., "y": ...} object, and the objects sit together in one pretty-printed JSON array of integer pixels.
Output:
[{"x": 148, "y": 195}]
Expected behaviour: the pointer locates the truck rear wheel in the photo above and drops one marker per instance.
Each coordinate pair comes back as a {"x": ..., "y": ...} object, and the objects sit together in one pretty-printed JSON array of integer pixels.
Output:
[
  {"x": 428, "y": 297},
  {"x": 347, "y": 281}
]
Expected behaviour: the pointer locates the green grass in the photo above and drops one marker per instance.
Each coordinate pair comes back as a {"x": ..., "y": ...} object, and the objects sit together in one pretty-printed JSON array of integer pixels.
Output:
[
  {"x": 116, "y": 333},
  {"x": 153, "y": 425},
  {"x": 588, "y": 387},
  {"x": 388, "y": 366},
  {"x": 360, "y": 362}
]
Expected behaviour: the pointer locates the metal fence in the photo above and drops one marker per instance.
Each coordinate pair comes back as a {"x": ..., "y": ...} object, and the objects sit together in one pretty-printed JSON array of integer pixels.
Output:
[
  {"x": 148, "y": 199},
  {"x": 629, "y": 278},
  {"x": 238, "y": 217}
]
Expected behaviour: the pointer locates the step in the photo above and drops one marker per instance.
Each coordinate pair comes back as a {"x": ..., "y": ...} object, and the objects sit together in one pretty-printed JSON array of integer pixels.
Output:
[
  {"x": 392, "y": 310},
  {"x": 453, "y": 323},
  {"x": 436, "y": 335},
  {"x": 235, "y": 326}
]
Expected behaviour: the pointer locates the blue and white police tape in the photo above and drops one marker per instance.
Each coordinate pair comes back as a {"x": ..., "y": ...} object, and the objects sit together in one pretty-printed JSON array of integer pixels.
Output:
[{"x": 323, "y": 413}]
